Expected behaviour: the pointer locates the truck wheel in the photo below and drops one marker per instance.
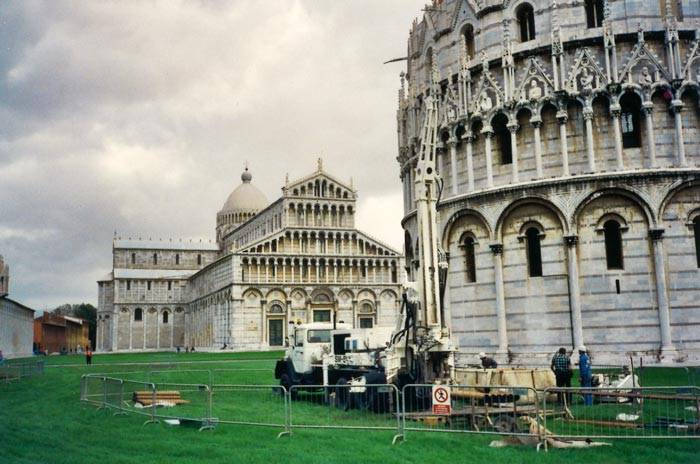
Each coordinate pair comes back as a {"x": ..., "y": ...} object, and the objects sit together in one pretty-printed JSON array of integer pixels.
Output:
[
  {"x": 286, "y": 382},
  {"x": 341, "y": 394}
]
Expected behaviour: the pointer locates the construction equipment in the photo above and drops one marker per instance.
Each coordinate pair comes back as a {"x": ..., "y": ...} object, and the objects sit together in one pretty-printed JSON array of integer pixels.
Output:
[{"x": 419, "y": 350}]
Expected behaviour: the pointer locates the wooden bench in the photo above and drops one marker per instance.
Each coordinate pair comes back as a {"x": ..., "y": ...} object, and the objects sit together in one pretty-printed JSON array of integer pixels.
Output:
[{"x": 146, "y": 397}]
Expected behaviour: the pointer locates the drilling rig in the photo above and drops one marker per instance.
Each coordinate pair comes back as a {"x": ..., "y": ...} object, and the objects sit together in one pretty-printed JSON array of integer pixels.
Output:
[{"x": 420, "y": 349}]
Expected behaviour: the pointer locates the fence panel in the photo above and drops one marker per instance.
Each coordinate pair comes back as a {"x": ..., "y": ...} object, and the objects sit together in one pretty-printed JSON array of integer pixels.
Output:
[
  {"x": 367, "y": 407},
  {"x": 8, "y": 373},
  {"x": 113, "y": 393},
  {"x": 182, "y": 401},
  {"x": 642, "y": 412},
  {"x": 92, "y": 389},
  {"x": 501, "y": 410},
  {"x": 261, "y": 405},
  {"x": 139, "y": 398}
]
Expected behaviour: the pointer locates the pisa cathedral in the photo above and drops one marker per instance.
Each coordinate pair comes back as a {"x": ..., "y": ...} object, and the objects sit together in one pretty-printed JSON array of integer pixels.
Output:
[
  {"x": 569, "y": 148},
  {"x": 298, "y": 259}
]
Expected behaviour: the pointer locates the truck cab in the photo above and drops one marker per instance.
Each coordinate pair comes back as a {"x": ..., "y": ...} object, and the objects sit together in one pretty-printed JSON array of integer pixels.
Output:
[{"x": 320, "y": 354}]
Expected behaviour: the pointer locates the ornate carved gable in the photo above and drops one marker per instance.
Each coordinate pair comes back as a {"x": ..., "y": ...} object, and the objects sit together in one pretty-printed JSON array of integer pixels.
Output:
[
  {"x": 643, "y": 67},
  {"x": 536, "y": 83},
  {"x": 319, "y": 176},
  {"x": 461, "y": 10},
  {"x": 691, "y": 57},
  {"x": 585, "y": 74},
  {"x": 488, "y": 92}
]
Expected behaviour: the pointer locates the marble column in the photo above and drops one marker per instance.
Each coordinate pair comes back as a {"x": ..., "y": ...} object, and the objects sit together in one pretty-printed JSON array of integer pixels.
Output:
[
  {"x": 488, "y": 134},
  {"x": 562, "y": 118},
  {"x": 536, "y": 122},
  {"x": 453, "y": 164},
  {"x": 574, "y": 290},
  {"x": 513, "y": 129},
  {"x": 497, "y": 250},
  {"x": 470, "y": 162},
  {"x": 648, "y": 110},
  {"x": 588, "y": 118},
  {"x": 667, "y": 347},
  {"x": 615, "y": 112},
  {"x": 676, "y": 107}
]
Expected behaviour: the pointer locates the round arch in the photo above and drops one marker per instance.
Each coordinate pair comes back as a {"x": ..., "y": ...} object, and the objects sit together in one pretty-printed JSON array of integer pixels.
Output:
[
  {"x": 498, "y": 234},
  {"x": 673, "y": 191},
  {"x": 634, "y": 197},
  {"x": 449, "y": 224}
]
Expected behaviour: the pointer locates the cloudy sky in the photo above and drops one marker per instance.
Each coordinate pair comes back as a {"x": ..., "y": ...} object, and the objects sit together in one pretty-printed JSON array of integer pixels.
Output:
[{"x": 138, "y": 117}]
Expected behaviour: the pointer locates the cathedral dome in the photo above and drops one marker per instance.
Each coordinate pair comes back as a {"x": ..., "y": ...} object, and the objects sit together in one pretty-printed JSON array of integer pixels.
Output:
[{"x": 246, "y": 197}]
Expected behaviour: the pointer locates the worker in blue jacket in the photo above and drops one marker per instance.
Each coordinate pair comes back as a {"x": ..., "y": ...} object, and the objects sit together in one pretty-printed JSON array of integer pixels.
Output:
[{"x": 584, "y": 365}]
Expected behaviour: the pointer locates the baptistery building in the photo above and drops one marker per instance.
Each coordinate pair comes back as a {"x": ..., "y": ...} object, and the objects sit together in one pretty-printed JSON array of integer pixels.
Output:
[
  {"x": 570, "y": 158},
  {"x": 298, "y": 259}
]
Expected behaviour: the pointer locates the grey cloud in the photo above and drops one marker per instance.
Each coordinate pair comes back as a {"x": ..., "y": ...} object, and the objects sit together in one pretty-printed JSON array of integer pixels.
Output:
[{"x": 139, "y": 115}]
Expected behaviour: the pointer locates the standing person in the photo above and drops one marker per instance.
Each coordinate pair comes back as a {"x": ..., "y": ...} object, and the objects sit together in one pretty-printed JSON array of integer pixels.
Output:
[
  {"x": 561, "y": 366},
  {"x": 88, "y": 356},
  {"x": 584, "y": 365},
  {"x": 486, "y": 362}
]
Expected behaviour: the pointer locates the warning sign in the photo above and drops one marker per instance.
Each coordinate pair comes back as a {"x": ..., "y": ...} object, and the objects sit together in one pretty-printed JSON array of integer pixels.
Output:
[{"x": 442, "y": 403}]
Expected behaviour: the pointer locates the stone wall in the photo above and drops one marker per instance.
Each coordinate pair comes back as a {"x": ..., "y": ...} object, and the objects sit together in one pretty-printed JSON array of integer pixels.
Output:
[{"x": 16, "y": 329}]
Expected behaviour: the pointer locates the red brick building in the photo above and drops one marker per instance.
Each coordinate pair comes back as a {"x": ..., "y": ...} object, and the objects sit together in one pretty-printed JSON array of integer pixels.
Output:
[{"x": 53, "y": 333}]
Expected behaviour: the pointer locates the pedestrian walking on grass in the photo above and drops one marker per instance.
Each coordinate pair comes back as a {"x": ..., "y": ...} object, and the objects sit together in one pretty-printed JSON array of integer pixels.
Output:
[
  {"x": 561, "y": 366},
  {"x": 584, "y": 365},
  {"x": 88, "y": 356}
]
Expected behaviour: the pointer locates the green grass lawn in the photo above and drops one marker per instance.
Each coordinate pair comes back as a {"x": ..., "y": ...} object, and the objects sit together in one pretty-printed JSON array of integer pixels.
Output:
[{"x": 42, "y": 421}]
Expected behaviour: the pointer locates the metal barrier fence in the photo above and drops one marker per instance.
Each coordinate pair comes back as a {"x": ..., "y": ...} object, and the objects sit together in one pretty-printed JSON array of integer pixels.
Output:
[
  {"x": 642, "y": 412},
  {"x": 256, "y": 405},
  {"x": 15, "y": 371},
  {"x": 496, "y": 410},
  {"x": 539, "y": 416},
  {"x": 366, "y": 407}
]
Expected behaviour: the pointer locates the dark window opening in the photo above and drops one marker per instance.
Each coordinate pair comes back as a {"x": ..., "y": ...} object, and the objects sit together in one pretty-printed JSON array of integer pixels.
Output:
[
  {"x": 138, "y": 314},
  {"x": 526, "y": 22},
  {"x": 133, "y": 258},
  {"x": 177, "y": 259},
  {"x": 170, "y": 285},
  {"x": 148, "y": 285},
  {"x": 165, "y": 317},
  {"x": 366, "y": 322},
  {"x": 630, "y": 121},
  {"x": 128, "y": 285},
  {"x": 502, "y": 135},
  {"x": 155, "y": 258},
  {"x": 534, "y": 252},
  {"x": 470, "y": 259},
  {"x": 696, "y": 231},
  {"x": 617, "y": 286},
  {"x": 594, "y": 13},
  {"x": 322, "y": 315},
  {"x": 613, "y": 244},
  {"x": 199, "y": 260},
  {"x": 468, "y": 34}
]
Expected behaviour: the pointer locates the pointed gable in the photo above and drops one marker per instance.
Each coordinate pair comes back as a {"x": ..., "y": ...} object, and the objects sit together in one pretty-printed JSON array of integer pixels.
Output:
[{"x": 319, "y": 184}]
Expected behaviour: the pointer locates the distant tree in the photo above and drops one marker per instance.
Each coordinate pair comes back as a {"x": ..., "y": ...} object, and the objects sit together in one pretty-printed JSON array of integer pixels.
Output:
[
  {"x": 84, "y": 311},
  {"x": 63, "y": 310},
  {"x": 88, "y": 312}
]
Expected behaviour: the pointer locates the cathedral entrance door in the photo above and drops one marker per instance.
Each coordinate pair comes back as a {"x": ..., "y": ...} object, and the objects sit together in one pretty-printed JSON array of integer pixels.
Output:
[{"x": 275, "y": 332}]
